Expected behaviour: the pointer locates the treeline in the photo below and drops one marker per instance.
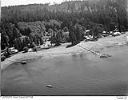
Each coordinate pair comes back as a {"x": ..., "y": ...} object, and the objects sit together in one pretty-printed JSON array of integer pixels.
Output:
[
  {"x": 34, "y": 30},
  {"x": 37, "y": 18},
  {"x": 106, "y": 12}
]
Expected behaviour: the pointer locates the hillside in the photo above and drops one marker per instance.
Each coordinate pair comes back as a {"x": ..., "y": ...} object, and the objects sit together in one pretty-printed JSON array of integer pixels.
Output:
[
  {"x": 43, "y": 10},
  {"x": 39, "y": 18}
]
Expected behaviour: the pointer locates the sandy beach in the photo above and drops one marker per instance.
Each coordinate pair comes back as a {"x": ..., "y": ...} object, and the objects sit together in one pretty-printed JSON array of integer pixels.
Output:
[
  {"x": 99, "y": 45},
  {"x": 69, "y": 71}
]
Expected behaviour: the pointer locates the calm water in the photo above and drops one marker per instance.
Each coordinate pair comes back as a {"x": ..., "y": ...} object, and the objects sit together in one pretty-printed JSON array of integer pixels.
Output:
[{"x": 81, "y": 74}]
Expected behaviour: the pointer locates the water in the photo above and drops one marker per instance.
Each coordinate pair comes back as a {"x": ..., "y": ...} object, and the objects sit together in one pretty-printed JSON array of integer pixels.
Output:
[{"x": 81, "y": 74}]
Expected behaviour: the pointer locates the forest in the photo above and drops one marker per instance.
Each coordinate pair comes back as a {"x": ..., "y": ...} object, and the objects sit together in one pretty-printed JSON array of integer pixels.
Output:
[{"x": 37, "y": 20}]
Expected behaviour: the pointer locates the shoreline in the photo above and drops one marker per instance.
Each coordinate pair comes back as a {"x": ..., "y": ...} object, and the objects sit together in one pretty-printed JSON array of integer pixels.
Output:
[{"x": 61, "y": 50}]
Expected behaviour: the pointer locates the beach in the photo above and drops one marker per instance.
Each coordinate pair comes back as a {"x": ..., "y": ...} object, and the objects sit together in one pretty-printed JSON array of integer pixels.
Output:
[
  {"x": 69, "y": 71},
  {"x": 102, "y": 43}
]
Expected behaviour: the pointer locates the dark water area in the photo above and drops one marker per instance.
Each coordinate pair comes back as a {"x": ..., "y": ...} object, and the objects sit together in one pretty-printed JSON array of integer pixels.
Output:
[{"x": 80, "y": 74}]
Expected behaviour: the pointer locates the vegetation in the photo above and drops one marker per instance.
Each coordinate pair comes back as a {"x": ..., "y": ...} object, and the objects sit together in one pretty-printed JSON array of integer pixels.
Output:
[{"x": 35, "y": 20}]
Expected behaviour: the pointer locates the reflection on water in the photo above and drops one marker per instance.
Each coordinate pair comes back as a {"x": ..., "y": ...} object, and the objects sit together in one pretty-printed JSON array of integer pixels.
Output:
[{"x": 80, "y": 74}]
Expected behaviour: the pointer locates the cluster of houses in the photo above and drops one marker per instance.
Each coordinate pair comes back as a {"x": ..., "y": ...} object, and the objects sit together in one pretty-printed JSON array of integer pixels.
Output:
[{"x": 7, "y": 52}]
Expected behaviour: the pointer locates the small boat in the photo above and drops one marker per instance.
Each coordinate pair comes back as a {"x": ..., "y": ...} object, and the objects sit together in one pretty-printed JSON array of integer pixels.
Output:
[
  {"x": 23, "y": 62},
  {"x": 49, "y": 86}
]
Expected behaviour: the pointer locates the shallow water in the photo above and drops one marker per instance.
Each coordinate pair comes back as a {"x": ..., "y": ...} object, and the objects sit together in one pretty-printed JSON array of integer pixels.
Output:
[{"x": 80, "y": 74}]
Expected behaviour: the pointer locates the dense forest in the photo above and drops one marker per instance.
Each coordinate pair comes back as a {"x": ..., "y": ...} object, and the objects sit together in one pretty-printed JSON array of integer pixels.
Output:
[{"x": 35, "y": 20}]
